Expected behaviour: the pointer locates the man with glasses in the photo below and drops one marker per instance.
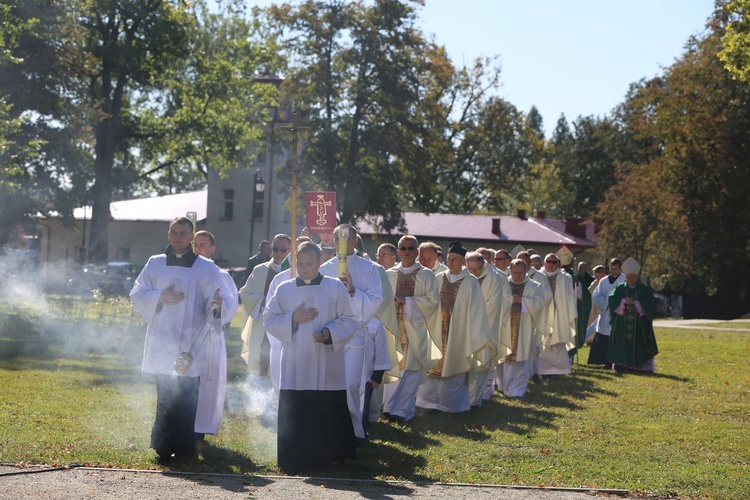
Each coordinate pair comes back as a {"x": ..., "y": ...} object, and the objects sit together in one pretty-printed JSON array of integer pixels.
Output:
[
  {"x": 256, "y": 346},
  {"x": 416, "y": 296},
  {"x": 460, "y": 336},
  {"x": 561, "y": 320},
  {"x": 502, "y": 261}
]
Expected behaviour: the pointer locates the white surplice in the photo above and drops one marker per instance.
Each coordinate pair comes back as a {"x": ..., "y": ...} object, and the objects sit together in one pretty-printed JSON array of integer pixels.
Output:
[
  {"x": 366, "y": 301},
  {"x": 213, "y": 386},
  {"x": 307, "y": 365}
]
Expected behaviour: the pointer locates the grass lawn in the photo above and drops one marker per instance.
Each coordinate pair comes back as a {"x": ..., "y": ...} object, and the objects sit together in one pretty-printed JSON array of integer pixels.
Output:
[{"x": 72, "y": 393}]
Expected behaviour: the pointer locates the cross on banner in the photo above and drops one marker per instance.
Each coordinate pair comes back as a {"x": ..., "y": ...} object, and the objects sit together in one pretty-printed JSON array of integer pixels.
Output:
[{"x": 320, "y": 204}]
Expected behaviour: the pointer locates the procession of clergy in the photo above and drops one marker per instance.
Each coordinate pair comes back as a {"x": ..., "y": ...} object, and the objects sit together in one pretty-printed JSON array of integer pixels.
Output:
[{"x": 348, "y": 338}]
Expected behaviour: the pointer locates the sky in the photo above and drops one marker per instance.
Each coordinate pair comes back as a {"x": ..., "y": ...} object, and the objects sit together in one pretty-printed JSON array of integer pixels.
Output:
[
  {"x": 576, "y": 57},
  {"x": 572, "y": 57}
]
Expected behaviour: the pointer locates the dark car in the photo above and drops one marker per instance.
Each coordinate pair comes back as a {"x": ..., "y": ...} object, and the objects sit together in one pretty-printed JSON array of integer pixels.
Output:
[
  {"x": 117, "y": 278},
  {"x": 663, "y": 306}
]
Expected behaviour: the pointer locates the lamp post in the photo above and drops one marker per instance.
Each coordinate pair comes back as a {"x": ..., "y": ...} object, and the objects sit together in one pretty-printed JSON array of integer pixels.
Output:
[{"x": 259, "y": 186}]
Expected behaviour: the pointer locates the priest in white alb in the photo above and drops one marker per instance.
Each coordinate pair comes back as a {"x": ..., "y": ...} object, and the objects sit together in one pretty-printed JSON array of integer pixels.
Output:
[
  {"x": 362, "y": 281},
  {"x": 213, "y": 384},
  {"x": 497, "y": 301},
  {"x": 561, "y": 317},
  {"x": 312, "y": 318},
  {"x": 417, "y": 301},
  {"x": 255, "y": 344},
  {"x": 460, "y": 338},
  {"x": 180, "y": 295},
  {"x": 518, "y": 332}
]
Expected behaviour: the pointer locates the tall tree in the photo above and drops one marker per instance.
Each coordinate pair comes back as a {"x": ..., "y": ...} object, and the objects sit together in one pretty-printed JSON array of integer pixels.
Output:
[
  {"x": 135, "y": 88},
  {"x": 388, "y": 112},
  {"x": 692, "y": 127}
]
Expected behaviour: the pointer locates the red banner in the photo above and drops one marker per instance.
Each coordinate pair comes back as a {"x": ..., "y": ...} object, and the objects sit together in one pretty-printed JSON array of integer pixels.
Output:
[{"x": 320, "y": 207}]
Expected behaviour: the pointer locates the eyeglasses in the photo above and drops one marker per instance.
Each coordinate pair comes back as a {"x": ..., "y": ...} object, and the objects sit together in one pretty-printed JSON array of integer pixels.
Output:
[
  {"x": 502, "y": 258},
  {"x": 552, "y": 261},
  {"x": 386, "y": 255},
  {"x": 280, "y": 250},
  {"x": 407, "y": 249}
]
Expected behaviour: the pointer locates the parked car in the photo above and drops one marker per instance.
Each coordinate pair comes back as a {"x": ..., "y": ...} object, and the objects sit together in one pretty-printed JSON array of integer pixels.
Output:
[
  {"x": 117, "y": 278},
  {"x": 663, "y": 305},
  {"x": 113, "y": 278}
]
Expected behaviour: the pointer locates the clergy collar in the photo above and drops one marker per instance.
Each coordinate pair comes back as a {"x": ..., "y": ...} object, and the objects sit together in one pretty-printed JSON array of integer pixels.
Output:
[
  {"x": 274, "y": 266},
  {"x": 186, "y": 259},
  {"x": 612, "y": 279},
  {"x": 315, "y": 281},
  {"x": 517, "y": 282},
  {"x": 411, "y": 268},
  {"x": 552, "y": 273}
]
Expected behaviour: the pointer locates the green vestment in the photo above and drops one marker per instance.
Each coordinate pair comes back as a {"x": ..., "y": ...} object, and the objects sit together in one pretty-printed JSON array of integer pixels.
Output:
[{"x": 632, "y": 342}]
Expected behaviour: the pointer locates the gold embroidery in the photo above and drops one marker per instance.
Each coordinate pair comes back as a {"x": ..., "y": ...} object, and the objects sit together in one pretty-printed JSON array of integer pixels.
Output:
[
  {"x": 448, "y": 294},
  {"x": 405, "y": 285}
]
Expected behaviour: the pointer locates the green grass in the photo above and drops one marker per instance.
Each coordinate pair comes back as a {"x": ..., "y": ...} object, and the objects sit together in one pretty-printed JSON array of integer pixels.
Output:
[{"x": 72, "y": 393}]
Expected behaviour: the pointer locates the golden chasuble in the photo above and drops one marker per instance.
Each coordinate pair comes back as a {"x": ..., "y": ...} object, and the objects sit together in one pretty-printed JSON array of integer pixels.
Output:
[
  {"x": 405, "y": 285},
  {"x": 269, "y": 278},
  {"x": 515, "y": 318},
  {"x": 448, "y": 294},
  {"x": 552, "y": 278}
]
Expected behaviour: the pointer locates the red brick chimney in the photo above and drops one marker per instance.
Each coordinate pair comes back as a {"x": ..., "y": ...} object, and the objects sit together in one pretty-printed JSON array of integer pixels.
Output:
[
  {"x": 496, "y": 225},
  {"x": 576, "y": 227}
]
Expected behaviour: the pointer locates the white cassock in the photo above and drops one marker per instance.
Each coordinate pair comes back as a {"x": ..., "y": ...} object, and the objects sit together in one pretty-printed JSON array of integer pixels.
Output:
[
  {"x": 446, "y": 387},
  {"x": 213, "y": 387},
  {"x": 419, "y": 311},
  {"x": 542, "y": 328},
  {"x": 255, "y": 343},
  {"x": 497, "y": 300},
  {"x": 274, "y": 354},
  {"x": 600, "y": 298},
  {"x": 561, "y": 317},
  {"x": 380, "y": 344},
  {"x": 307, "y": 365},
  {"x": 514, "y": 354},
  {"x": 366, "y": 301},
  {"x": 174, "y": 328}
]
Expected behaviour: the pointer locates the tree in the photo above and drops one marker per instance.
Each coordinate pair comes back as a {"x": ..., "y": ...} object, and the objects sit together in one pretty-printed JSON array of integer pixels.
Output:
[
  {"x": 133, "y": 89},
  {"x": 735, "y": 53},
  {"x": 641, "y": 219},
  {"x": 691, "y": 127},
  {"x": 389, "y": 115}
]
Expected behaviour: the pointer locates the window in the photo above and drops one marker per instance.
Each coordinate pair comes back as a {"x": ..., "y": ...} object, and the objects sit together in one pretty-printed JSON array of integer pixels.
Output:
[{"x": 227, "y": 212}]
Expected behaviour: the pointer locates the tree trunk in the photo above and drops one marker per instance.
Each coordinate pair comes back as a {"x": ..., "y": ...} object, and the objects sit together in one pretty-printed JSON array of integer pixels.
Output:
[{"x": 102, "y": 190}]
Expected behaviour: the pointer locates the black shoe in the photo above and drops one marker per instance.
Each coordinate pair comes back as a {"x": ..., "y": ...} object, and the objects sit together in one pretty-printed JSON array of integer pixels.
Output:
[
  {"x": 536, "y": 379},
  {"x": 396, "y": 418},
  {"x": 164, "y": 452}
]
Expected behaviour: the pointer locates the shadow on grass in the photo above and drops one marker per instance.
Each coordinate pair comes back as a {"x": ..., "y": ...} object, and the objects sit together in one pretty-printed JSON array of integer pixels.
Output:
[{"x": 217, "y": 462}]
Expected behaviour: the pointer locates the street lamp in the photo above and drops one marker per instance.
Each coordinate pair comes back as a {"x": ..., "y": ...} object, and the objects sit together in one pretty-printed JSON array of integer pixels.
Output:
[{"x": 259, "y": 186}]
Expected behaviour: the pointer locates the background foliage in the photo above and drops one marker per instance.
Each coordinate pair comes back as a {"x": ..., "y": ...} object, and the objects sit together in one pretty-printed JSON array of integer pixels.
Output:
[{"x": 146, "y": 97}]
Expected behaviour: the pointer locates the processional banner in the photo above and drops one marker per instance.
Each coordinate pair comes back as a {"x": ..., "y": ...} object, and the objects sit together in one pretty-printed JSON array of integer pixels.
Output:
[{"x": 320, "y": 207}]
